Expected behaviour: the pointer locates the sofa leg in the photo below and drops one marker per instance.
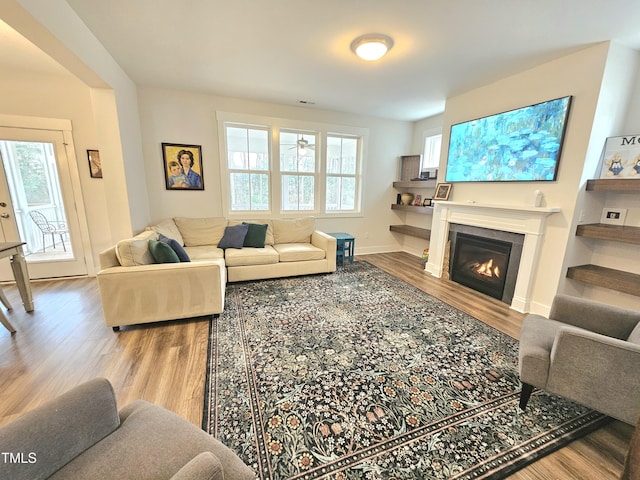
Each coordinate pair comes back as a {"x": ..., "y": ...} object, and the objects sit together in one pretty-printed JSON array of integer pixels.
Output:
[
  {"x": 116, "y": 329},
  {"x": 215, "y": 315},
  {"x": 525, "y": 395}
]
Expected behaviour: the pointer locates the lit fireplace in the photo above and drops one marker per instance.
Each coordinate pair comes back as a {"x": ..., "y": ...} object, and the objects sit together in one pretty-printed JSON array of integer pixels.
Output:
[{"x": 480, "y": 263}]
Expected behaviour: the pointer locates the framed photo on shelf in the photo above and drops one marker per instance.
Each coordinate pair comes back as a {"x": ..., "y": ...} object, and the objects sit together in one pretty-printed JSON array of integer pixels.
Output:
[
  {"x": 182, "y": 166},
  {"x": 621, "y": 157},
  {"x": 443, "y": 190},
  {"x": 613, "y": 216},
  {"x": 95, "y": 165},
  {"x": 418, "y": 201}
]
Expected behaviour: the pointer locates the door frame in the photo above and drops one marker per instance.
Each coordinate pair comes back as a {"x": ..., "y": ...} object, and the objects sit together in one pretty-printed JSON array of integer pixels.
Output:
[{"x": 65, "y": 127}]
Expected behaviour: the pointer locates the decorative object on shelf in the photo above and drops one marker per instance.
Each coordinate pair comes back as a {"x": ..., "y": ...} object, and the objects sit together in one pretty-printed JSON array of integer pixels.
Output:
[
  {"x": 95, "y": 165},
  {"x": 621, "y": 157},
  {"x": 521, "y": 145},
  {"x": 399, "y": 199},
  {"x": 536, "y": 198},
  {"x": 613, "y": 216},
  {"x": 426, "y": 202},
  {"x": 443, "y": 190},
  {"x": 410, "y": 168},
  {"x": 407, "y": 198},
  {"x": 182, "y": 166},
  {"x": 418, "y": 201}
]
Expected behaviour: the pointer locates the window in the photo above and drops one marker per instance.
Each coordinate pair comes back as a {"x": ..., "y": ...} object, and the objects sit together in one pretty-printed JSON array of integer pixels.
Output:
[
  {"x": 286, "y": 167},
  {"x": 248, "y": 167},
  {"x": 342, "y": 168},
  {"x": 298, "y": 171},
  {"x": 432, "y": 145}
]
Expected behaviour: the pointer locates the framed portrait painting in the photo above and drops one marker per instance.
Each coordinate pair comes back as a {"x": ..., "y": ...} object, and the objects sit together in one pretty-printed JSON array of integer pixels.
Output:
[{"x": 182, "y": 166}]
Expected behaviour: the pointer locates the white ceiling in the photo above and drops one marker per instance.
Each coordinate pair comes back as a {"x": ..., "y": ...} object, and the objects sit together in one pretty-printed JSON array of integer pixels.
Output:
[{"x": 284, "y": 51}]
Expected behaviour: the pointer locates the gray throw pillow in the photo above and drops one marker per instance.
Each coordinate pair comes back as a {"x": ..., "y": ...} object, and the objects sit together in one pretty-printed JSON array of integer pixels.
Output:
[
  {"x": 234, "y": 236},
  {"x": 173, "y": 243}
]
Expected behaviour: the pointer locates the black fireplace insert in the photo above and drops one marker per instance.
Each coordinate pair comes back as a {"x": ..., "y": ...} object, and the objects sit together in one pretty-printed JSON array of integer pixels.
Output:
[{"x": 481, "y": 263}]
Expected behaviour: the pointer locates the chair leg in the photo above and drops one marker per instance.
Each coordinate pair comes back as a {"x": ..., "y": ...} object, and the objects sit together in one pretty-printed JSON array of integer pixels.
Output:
[
  {"x": 4, "y": 300},
  {"x": 525, "y": 395},
  {"x": 63, "y": 245},
  {"x": 4, "y": 321},
  {"x": 44, "y": 245}
]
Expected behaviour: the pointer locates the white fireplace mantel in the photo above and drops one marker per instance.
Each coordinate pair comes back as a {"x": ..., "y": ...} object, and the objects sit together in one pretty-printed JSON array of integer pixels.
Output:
[{"x": 523, "y": 219}]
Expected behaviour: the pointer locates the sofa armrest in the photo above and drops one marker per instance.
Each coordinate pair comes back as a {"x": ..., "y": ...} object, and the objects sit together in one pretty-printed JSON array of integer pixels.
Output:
[
  {"x": 55, "y": 433},
  {"x": 593, "y": 316},
  {"x": 108, "y": 258},
  {"x": 204, "y": 466},
  {"x": 163, "y": 291},
  {"x": 598, "y": 371},
  {"x": 328, "y": 244}
]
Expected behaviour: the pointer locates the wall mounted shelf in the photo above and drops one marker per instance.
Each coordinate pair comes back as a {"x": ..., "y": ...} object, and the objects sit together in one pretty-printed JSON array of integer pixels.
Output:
[
  {"x": 412, "y": 208},
  {"x": 411, "y": 231},
  {"x": 616, "y": 233},
  {"x": 614, "y": 185},
  {"x": 617, "y": 280}
]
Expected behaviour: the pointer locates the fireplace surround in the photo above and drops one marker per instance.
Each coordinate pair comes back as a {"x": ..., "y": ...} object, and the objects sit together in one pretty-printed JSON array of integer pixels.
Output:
[
  {"x": 485, "y": 260},
  {"x": 523, "y": 219}
]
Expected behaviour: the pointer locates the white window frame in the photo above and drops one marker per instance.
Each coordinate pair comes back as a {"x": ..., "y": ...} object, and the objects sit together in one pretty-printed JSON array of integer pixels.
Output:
[
  {"x": 275, "y": 188},
  {"x": 429, "y": 160}
]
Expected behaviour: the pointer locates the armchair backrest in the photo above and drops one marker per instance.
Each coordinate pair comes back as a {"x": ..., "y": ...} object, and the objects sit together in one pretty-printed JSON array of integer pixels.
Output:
[
  {"x": 596, "y": 317},
  {"x": 52, "y": 435}
]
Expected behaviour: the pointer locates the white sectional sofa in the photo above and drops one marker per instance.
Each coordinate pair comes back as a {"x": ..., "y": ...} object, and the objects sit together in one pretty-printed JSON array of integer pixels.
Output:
[{"x": 135, "y": 289}]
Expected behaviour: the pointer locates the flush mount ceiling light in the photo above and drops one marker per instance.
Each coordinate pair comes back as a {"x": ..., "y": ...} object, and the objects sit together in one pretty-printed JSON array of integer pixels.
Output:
[{"x": 371, "y": 46}]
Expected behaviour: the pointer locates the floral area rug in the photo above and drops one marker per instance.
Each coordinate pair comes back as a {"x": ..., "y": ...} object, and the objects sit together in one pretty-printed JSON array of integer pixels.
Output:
[{"x": 358, "y": 375}]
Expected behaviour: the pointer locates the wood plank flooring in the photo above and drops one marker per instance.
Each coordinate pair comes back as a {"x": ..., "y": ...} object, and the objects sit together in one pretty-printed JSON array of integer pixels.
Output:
[{"x": 65, "y": 342}]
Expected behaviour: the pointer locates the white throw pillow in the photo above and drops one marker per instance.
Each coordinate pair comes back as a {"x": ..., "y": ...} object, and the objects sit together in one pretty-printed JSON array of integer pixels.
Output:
[
  {"x": 135, "y": 251},
  {"x": 169, "y": 229}
]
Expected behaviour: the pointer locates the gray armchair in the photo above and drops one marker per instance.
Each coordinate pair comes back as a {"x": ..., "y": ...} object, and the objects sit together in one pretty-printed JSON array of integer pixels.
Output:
[
  {"x": 587, "y": 352},
  {"x": 81, "y": 434}
]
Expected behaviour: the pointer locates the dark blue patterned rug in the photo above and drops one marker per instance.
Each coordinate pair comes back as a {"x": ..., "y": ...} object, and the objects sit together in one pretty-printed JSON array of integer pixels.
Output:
[{"x": 358, "y": 375}]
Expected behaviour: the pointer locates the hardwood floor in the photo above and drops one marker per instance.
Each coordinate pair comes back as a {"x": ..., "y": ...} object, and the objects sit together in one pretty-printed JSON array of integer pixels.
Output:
[{"x": 65, "y": 342}]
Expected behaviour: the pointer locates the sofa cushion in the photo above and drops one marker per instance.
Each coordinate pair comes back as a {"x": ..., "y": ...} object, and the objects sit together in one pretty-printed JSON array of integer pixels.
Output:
[
  {"x": 268, "y": 239},
  {"x": 297, "y": 252},
  {"x": 256, "y": 235},
  {"x": 634, "y": 337},
  {"x": 204, "y": 252},
  {"x": 298, "y": 230},
  {"x": 168, "y": 228},
  {"x": 135, "y": 251},
  {"x": 162, "y": 252},
  {"x": 201, "y": 231},
  {"x": 251, "y": 256},
  {"x": 175, "y": 246},
  {"x": 233, "y": 236}
]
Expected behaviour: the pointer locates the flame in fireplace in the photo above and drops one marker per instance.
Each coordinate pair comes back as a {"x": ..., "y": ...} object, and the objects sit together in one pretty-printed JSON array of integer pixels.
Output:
[{"x": 488, "y": 269}]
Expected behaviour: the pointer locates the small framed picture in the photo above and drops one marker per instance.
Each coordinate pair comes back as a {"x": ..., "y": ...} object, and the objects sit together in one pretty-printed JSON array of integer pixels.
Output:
[
  {"x": 418, "y": 201},
  {"x": 426, "y": 202},
  {"x": 613, "y": 216},
  {"x": 182, "y": 166},
  {"x": 442, "y": 191},
  {"x": 95, "y": 166}
]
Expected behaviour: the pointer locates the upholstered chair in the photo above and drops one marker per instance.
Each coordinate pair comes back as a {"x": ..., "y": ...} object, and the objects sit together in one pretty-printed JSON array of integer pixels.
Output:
[
  {"x": 81, "y": 434},
  {"x": 587, "y": 352}
]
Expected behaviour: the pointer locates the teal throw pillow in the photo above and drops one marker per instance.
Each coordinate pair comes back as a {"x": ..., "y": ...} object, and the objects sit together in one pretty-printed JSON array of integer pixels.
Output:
[
  {"x": 256, "y": 234},
  {"x": 173, "y": 243},
  {"x": 233, "y": 236},
  {"x": 162, "y": 252}
]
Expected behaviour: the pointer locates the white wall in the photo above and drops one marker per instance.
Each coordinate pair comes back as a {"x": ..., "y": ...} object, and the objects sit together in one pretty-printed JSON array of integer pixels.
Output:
[
  {"x": 617, "y": 115},
  {"x": 580, "y": 75},
  {"x": 185, "y": 117},
  {"x": 64, "y": 97}
]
